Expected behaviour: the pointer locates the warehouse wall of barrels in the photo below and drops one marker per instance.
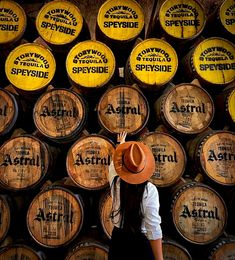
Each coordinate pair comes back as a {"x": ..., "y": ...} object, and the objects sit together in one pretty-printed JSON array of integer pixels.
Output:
[{"x": 73, "y": 74}]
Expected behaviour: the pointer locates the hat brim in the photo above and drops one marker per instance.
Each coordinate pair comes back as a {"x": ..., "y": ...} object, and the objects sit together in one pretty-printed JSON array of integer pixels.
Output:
[{"x": 124, "y": 173}]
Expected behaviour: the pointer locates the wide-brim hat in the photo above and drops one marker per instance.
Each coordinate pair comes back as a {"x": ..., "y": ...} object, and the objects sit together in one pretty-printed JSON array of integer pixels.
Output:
[{"x": 134, "y": 162}]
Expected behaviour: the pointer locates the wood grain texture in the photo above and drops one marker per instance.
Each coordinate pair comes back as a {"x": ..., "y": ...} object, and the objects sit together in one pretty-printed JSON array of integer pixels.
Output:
[
  {"x": 199, "y": 213},
  {"x": 55, "y": 217},
  {"x": 169, "y": 155},
  {"x": 88, "y": 161}
]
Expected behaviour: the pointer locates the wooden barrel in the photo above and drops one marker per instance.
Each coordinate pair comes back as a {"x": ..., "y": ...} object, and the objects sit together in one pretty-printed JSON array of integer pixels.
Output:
[
  {"x": 89, "y": 249},
  {"x": 220, "y": 21},
  {"x": 25, "y": 163},
  {"x": 90, "y": 65},
  {"x": 12, "y": 23},
  {"x": 212, "y": 61},
  {"x": 185, "y": 108},
  {"x": 59, "y": 23},
  {"x": 6, "y": 216},
  {"x": 210, "y": 6},
  {"x": 105, "y": 208},
  {"x": 225, "y": 105},
  {"x": 123, "y": 107},
  {"x": 152, "y": 64},
  {"x": 182, "y": 20},
  {"x": 30, "y": 67},
  {"x": 199, "y": 213},
  {"x": 60, "y": 114},
  {"x": 231, "y": 212},
  {"x": 20, "y": 251},
  {"x": 88, "y": 161},
  {"x": 212, "y": 153},
  {"x": 9, "y": 112},
  {"x": 172, "y": 250},
  {"x": 120, "y": 21},
  {"x": 169, "y": 156},
  {"x": 226, "y": 15},
  {"x": 55, "y": 217},
  {"x": 223, "y": 249}
]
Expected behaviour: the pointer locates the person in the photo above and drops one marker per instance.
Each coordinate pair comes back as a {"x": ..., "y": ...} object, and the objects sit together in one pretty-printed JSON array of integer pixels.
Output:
[{"x": 137, "y": 233}]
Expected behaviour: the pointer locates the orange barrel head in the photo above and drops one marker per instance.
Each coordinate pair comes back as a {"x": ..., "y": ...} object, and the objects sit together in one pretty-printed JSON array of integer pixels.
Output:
[
  {"x": 88, "y": 161},
  {"x": 55, "y": 217},
  {"x": 60, "y": 114},
  {"x": 121, "y": 108}
]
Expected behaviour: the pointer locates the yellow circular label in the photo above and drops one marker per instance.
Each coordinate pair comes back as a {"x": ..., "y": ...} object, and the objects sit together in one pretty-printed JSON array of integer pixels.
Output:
[
  {"x": 30, "y": 67},
  {"x": 59, "y": 22},
  {"x": 214, "y": 60},
  {"x": 121, "y": 20},
  {"x": 182, "y": 19},
  {"x": 12, "y": 21},
  {"x": 231, "y": 105},
  {"x": 153, "y": 62},
  {"x": 90, "y": 64},
  {"x": 227, "y": 15}
]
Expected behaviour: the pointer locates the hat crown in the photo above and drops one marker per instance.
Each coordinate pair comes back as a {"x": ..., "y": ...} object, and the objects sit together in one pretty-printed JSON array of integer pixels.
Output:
[{"x": 134, "y": 158}]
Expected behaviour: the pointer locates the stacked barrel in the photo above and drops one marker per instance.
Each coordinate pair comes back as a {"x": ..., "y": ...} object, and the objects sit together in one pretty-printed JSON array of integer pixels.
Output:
[{"x": 73, "y": 74}]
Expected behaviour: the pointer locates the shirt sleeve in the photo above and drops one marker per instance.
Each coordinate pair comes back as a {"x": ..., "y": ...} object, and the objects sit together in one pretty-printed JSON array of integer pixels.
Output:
[
  {"x": 112, "y": 173},
  {"x": 152, "y": 219}
]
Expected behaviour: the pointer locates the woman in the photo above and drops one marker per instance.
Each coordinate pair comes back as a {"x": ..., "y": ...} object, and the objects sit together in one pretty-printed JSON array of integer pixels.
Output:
[{"x": 137, "y": 233}]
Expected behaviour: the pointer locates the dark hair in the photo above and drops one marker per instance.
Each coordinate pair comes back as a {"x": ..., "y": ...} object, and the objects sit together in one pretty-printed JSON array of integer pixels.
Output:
[{"x": 130, "y": 210}]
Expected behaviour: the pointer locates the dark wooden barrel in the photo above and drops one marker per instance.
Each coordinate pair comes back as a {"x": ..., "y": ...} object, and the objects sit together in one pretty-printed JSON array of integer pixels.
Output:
[
  {"x": 20, "y": 251},
  {"x": 60, "y": 115},
  {"x": 30, "y": 67},
  {"x": 13, "y": 22},
  {"x": 9, "y": 112},
  {"x": 185, "y": 108},
  {"x": 212, "y": 62},
  {"x": 90, "y": 65},
  {"x": 198, "y": 212},
  {"x": 6, "y": 216},
  {"x": 105, "y": 208},
  {"x": 181, "y": 21},
  {"x": 151, "y": 64},
  {"x": 88, "y": 161},
  {"x": 222, "y": 249},
  {"x": 212, "y": 154},
  {"x": 172, "y": 250},
  {"x": 169, "y": 156},
  {"x": 89, "y": 249},
  {"x": 60, "y": 24},
  {"x": 55, "y": 217},
  {"x": 123, "y": 107},
  {"x": 25, "y": 163}
]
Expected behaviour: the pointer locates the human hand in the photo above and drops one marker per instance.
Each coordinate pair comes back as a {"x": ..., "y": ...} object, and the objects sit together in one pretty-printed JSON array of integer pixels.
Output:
[{"x": 121, "y": 137}]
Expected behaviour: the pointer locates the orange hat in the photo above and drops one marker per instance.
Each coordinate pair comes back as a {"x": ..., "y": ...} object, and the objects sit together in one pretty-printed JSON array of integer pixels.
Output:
[{"x": 134, "y": 162}]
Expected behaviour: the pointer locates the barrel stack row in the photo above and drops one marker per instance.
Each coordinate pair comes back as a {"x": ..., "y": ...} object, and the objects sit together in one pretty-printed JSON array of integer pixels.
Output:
[{"x": 73, "y": 75}]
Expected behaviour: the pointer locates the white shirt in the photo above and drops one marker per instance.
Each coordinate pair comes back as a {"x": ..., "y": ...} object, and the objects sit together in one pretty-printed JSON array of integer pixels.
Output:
[{"x": 150, "y": 206}]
